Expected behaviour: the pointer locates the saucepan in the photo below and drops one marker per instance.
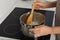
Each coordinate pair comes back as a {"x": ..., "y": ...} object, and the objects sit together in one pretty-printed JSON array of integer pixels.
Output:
[{"x": 38, "y": 19}]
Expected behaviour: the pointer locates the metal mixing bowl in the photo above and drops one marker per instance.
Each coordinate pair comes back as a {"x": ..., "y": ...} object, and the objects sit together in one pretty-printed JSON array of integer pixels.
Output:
[{"x": 38, "y": 19}]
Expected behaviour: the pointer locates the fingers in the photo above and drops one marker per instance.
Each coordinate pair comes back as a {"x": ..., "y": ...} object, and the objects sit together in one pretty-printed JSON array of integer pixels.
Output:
[
  {"x": 39, "y": 30},
  {"x": 35, "y": 31},
  {"x": 37, "y": 5}
]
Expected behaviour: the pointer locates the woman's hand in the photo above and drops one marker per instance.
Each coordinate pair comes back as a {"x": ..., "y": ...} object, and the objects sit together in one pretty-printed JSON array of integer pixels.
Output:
[
  {"x": 39, "y": 5},
  {"x": 41, "y": 30}
]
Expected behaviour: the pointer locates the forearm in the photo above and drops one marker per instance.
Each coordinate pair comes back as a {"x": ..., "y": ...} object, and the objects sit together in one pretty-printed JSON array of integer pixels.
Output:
[
  {"x": 53, "y": 4},
  {"x": 50, "y": 4},
  {"x": 56, "y": 30}
]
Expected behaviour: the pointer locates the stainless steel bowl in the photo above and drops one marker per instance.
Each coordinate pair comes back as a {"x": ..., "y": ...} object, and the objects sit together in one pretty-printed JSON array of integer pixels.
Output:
[{"x": 38, "y": 19}]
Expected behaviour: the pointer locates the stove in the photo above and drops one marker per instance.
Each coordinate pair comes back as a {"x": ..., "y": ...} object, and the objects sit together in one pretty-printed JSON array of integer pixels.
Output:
[{"x": 11, "y": 27}]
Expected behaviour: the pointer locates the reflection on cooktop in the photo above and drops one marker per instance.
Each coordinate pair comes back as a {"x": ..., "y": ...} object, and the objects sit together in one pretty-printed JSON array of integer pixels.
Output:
[{"x": 11, "y": 27}]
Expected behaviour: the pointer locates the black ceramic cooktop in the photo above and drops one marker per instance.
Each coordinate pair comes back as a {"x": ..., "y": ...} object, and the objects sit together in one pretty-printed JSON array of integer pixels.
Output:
[{"x": 10, "y": 27}]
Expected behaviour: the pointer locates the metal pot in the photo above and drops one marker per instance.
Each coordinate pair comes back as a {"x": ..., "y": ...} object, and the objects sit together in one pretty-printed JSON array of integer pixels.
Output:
[{"x": 38, "y": 19}]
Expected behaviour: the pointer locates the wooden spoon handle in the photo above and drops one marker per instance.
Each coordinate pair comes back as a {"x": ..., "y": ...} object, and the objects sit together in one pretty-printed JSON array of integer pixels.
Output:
[
  {"x": 30, "y": 17},
  {"x": 33, "y": 7}
]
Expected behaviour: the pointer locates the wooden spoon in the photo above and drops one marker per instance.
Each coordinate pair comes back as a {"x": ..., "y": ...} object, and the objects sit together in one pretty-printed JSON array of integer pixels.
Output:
[{"x": 30, "y": 17}]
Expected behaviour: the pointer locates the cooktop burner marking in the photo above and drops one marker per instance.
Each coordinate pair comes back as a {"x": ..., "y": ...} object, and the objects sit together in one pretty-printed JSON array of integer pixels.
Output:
[{"x": 11, "y": 29}]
